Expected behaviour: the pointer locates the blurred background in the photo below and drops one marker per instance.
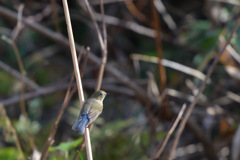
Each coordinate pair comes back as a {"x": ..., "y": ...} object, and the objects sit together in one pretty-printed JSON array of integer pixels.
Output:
[{"x": 145, "y": 95}]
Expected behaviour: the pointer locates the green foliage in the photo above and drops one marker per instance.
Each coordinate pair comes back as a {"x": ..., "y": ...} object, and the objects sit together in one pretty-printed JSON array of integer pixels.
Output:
[
  {"x": 8, "y": 153},
  {"x": 66, "y": 146},
  {"x": 111, "y": 142},
  {"x": 202, "y": 36}
]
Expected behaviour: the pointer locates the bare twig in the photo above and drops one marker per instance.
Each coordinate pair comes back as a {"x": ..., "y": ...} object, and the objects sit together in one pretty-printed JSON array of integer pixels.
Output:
[
  {"x": 50, "y": 139},
  {"x": 163, "y": 145},
  {"x": 103, "y": 44},
  {"x": 77, "y": 73},
  {"x": 104, "y": 26},
  {"x": 29, "y": 95},
  {"x": 19, "y": 25},
  {"x": 68, "y": 96},
  {"x": 170, "y": 64},
  {"x": 60, "y": 39},
  {"x": 156, "y": 26},
  {"x": 102, "y": 40},
  {"x": 202, "y": 87},
  {"x": 17, "y": 75},
  {"x": 166, "y": 16},
  {"x": 166, "y": 113},
  {"x": 233, "y": 96},
  {"x": 73, "y": 51},
  {"x": 135, "y": 12},
  {"x": 208, "y": 146},
  {"x": 90, "y": 11},
  {"x": 22, "y": 102}
]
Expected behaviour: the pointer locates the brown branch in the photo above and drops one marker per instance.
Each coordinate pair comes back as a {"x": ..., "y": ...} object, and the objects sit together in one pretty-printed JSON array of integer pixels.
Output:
[
  {"x": 135, "y": 12},
  {"x": 200, "y": 90},
  {"x": 77, "y": 73},
  {"x": 102, "y": 41},
  {"x": 163, "y": 145},
  {"x": 166, "y": 113},
  {"x": 22, "y": 102},
  {"x": 18, "y": 76},
  {"x": 67, "y": 99},
  {"x": 60, "y": 39},
  {"x": 29, "y": 95},
  {"x": 18, "y": 28},
  {"x": 50, "y": 138},
  {"x": 208, "y": 146},
  {"x": 103, "y": 44}
]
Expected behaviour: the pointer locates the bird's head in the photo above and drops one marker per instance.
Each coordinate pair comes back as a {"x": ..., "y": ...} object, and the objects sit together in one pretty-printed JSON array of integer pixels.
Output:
[{"x": 99, "y": 95}]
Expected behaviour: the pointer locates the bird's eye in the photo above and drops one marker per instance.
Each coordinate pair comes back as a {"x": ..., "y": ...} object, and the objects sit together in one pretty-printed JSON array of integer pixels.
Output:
[{"x": 100, "y": 94}]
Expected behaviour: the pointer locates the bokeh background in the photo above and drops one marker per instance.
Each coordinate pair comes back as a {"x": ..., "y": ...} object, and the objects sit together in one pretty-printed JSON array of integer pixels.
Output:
[{"x": 141, "y": 106}]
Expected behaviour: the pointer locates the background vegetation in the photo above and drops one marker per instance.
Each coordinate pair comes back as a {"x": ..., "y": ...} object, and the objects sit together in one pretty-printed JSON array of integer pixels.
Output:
[{"x": 145, "y": 96}]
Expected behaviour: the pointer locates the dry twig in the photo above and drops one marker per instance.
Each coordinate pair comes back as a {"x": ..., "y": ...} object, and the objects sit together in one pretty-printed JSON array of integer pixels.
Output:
[
  {"x": 18, "y": 76},
  {"x": 170, "y": 64},
  {"x": 77, "y": 73},
  {"x": 60, "y": 39},
  {"x": 201, "y": 88},
  {"x": 103, "y": 44},
  {"x": 68, "y": 96},
  {"x": 163, "y": 145}
]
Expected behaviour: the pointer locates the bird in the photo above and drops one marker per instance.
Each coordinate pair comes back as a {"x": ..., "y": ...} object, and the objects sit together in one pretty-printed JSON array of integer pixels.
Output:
[{"x": 91, "y": 109}]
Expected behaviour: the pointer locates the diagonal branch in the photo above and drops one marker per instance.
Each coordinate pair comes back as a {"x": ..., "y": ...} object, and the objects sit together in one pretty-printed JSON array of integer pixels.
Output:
[
  {"x": 60, "y": 39},
  {"x": 200, "y": 90}
]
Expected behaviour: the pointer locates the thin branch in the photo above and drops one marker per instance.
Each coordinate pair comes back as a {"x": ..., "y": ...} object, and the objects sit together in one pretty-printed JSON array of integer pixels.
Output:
[
  {"x": 102, "y": 40},
  {"x": 19, "y": 25},
  {"x": 170, "y": 64},
  {"x": 29, "y": 95},
  {"x": 90, "y": 11},
  {"x": 103, "y": 44},
  {"x": 202, "y": 87},
  {"x": 67, "y": 99},
  {"x": 163, "y": 145},
  {"x": 166, "y": 16},
  {"x": 18, "y": 76},
  {"x": 77, "y": 73},
  {"x": 22, "y": 102},
  {"x": 103, "y": 25},
  {"x": 50, "y": 138},
  {"x": 136, "y": 13},
  {"x": 73, "y": 52},
  {"x": 156, "y": 26},
  {"x": 60, "y": 39}
]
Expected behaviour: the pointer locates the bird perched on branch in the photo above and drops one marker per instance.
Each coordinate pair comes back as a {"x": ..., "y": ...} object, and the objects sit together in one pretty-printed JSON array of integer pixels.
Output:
[{"x": 91, "y": 109}]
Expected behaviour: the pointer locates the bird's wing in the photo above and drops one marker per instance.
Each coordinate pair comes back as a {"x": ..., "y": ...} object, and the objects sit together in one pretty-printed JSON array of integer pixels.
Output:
[
  {"x": 95, "y": 110},
  {"x": 92, "y": 116},
  {"x": 87, "y": 106},
  {"x": 85, "y": 109}
]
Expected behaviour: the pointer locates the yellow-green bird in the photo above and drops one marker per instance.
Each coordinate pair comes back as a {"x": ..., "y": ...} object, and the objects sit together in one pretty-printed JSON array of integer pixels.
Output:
[{"x": 91, "y": 109}]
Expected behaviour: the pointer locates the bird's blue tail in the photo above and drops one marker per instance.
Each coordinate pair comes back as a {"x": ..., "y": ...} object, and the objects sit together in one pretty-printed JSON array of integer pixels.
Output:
[{"x": 80, "y": 125}]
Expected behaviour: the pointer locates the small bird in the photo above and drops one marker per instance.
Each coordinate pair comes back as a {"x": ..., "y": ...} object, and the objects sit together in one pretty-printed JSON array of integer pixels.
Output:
[{"x": 91, "y": 109}]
